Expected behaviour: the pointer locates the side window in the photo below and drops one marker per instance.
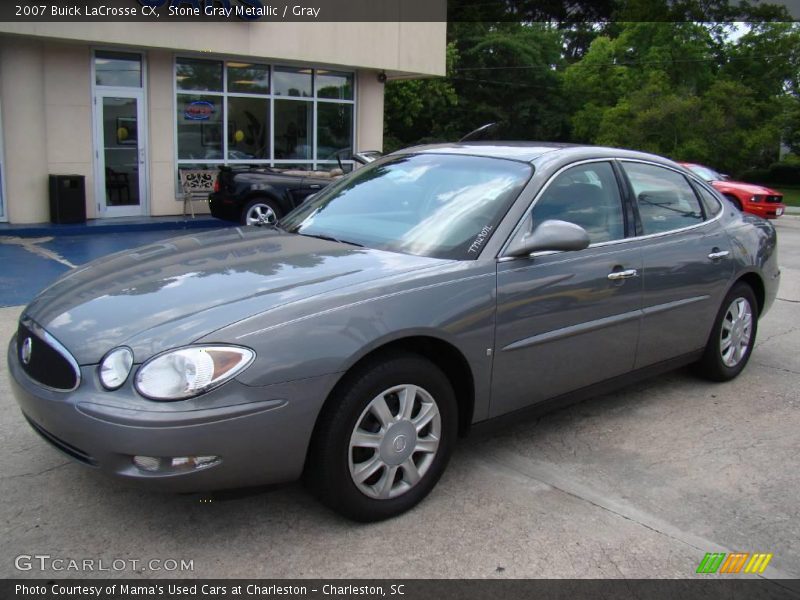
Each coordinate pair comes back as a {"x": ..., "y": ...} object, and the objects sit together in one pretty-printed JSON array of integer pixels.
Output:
[
  {"x": 586, "y": 195},
  {"x": 710, "y": 202},
  {"x": 666, "y": 200}
]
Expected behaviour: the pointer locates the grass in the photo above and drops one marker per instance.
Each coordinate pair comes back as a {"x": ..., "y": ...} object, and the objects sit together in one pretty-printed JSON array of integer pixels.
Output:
[{"x": 791, "y": 195}]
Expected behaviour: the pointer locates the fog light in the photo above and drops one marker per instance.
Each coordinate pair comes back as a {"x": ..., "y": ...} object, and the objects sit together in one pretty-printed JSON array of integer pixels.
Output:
[
  {"x": 114, "y": 368},
  {"x": 176, "y": 464},
  {"x": 147, "y": 463}
]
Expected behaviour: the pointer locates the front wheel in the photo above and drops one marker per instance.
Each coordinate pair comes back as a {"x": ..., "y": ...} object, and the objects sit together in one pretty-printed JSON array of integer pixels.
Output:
[
  {"x": 384, "y": 438},
  {"x": 734, "y": 334}
]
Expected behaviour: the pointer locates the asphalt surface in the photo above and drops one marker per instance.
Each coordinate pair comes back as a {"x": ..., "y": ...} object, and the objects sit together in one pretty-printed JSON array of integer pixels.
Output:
[
  {"x": 30, "y": 263},
  {"x": 638, "y": 483}
]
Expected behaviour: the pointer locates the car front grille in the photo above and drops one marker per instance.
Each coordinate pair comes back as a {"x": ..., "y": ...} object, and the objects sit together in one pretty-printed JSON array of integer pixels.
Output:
[
  {"x": 66, "y": 448},
  {"x": 44, "y": 359},
  {"x": 773, "y": 199}
]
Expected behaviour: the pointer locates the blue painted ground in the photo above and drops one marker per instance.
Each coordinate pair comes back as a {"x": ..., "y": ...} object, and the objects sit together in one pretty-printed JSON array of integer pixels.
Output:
[{"x": 24, "y": 273}]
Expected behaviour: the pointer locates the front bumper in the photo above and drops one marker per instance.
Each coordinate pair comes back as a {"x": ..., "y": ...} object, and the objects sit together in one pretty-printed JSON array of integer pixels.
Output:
[
  {"x": 766, "y": 210},
  {"x": 261, "y": 434}
]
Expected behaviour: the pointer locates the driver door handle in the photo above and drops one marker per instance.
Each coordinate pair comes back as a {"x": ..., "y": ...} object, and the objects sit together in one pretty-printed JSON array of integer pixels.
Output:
[
  {"x": 627, "y": 274},
  {"x": 717, "y": 254}
]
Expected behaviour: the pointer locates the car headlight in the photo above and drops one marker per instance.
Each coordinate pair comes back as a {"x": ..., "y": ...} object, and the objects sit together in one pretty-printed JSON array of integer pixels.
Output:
[
  {"x": 756, "y": 198},
  {"x": 115, "y": 367},
  {"x": 186, "y": 372}
]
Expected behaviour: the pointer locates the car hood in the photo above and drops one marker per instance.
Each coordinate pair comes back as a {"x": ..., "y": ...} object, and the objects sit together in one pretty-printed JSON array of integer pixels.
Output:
[
  {"x": 174, "y": 292},
  {"x": 747, "y": 188}
]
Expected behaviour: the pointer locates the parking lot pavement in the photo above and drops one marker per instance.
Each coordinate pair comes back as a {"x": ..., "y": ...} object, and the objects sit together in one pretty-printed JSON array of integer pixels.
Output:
[
  {"x": 29, "y": 264},
  {"x": 638, "y": 483}
]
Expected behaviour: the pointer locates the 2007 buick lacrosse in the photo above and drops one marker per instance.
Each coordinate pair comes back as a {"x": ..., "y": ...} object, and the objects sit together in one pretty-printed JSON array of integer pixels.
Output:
[{"x": 436, "y": 288}]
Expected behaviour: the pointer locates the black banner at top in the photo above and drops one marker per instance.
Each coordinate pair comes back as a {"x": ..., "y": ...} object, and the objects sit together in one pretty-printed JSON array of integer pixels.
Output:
[
  {"x": 223, "y": 10},
  {"x": 561, "y": 11}
]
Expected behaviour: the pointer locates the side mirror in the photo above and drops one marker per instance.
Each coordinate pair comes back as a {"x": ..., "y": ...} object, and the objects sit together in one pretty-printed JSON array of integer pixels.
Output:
[{"x": 551, "y": 235}]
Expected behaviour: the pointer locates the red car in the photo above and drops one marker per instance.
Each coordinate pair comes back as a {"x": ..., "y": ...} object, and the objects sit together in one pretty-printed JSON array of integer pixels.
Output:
[{"x": 756, "y": 199}]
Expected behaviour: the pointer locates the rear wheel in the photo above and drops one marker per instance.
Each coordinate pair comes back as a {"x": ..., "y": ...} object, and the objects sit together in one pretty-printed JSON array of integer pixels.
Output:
[
  {"x": 733, "y": 336},
  {"x": 384, "y": 439},
  {"x": 261, "y": 211}
]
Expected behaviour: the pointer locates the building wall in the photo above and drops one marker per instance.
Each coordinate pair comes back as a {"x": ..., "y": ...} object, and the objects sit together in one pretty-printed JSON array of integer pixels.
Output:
[
  {"x": 161, "y": 110},
  {"x": 68, "y": 114},
  {"x": 369, "y": 112},
  {"x": 24, "y": 130},
  {"x": 47, "y": 103},
  {"x": 396, "y": 47}
]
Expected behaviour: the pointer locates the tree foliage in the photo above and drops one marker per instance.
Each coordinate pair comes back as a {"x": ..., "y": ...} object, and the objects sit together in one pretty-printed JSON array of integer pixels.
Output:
[{"x": 665, "y": 80}]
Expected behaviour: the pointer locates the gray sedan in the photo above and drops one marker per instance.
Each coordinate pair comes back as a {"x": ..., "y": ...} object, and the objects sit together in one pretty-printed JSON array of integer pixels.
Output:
[{"x": 435, "y": 289}]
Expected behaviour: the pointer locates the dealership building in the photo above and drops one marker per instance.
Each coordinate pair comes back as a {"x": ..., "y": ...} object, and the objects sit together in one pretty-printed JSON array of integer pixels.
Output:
[{"x": 128, "y": 104}]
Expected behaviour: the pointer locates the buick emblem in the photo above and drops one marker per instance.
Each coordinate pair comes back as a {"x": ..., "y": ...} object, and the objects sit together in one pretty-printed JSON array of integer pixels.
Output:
[
  {"x": 399, "y": 443},
  {"x": 26, "y": 351}
]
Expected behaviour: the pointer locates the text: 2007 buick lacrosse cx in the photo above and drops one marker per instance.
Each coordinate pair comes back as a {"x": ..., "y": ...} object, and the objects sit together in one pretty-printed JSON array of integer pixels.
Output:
[{"x": 435, "y": 288}]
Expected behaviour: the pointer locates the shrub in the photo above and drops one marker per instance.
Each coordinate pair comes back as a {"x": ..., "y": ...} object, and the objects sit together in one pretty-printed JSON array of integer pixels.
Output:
[{"x": 786, "y": 172}]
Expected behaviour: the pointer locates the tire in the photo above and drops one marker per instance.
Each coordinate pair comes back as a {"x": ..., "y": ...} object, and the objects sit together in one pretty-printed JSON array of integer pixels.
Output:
[
  {"x": 261, "y": 211},
  {"x": 723, "y": 362},
  {"x": 358, "y": 464},
  {"x": 735, "y": 201}
]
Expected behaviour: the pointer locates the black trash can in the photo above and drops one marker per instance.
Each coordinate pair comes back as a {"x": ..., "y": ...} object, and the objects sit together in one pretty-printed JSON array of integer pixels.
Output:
[{"x": 67, "y": 199}]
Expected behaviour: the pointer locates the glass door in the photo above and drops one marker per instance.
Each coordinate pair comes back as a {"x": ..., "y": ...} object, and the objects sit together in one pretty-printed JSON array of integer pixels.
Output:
[{"x": 121, "y": 160}]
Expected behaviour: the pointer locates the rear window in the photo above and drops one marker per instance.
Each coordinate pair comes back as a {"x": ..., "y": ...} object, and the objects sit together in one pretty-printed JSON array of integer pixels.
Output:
[
  {"x": 710, "y": 202},
  {"x": 666, "y": 200}
]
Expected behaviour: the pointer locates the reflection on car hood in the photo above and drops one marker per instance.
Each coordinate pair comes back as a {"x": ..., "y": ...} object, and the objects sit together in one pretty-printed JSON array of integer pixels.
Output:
[{"x": 171, "y": 293}]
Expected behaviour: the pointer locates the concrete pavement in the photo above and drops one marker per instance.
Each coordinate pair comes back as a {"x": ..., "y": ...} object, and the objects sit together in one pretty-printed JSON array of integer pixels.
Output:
[{"x": 638, "y": 483}]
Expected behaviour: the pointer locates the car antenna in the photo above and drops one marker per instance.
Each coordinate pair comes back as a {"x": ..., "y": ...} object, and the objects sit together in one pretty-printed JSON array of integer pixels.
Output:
[{"x": 478, "y": 132}]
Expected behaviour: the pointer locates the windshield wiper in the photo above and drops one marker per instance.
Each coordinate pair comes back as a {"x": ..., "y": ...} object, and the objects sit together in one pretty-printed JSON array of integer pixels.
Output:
[{"x": 330, "y": 238}]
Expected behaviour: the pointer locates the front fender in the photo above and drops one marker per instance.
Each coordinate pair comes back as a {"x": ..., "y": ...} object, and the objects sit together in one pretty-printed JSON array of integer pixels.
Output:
[{"x": 313, "y": 338}]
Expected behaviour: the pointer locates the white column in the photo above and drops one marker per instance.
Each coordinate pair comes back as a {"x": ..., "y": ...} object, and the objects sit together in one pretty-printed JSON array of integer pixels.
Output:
[
  {"x": 22, "y": 90},
  {"x": 369, "y": 111}
]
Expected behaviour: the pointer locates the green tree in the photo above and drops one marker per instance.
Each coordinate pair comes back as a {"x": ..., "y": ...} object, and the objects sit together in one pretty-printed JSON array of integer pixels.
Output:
[{"x": 417, "y": 110}]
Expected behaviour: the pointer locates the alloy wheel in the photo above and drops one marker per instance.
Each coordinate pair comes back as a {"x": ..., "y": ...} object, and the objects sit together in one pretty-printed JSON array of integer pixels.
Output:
[
  {"x": 261, "y": 214},
  {"x": 736, "y": 332},
  {"x": 394, "y": 441}
]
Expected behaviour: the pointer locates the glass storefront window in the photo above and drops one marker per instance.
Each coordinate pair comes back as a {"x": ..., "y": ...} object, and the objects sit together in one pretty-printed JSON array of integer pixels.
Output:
[
  {"x": 334, "y": 130},
  {"x": 248, "y": 78},
  {"x": 331, "y": 84},
  {"x": 118, "y": 69},
  {"x": 199, "y": 127},
  {"x": 293, "y": 82},
  {"x": 292, "y": 129},
  {"x": 241, "y": 111},
  {"x": 248, "y": 128},
  {"x": 198, "y": 74}
]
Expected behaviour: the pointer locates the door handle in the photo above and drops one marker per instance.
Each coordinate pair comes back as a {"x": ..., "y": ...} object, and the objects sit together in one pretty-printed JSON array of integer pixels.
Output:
[
  {"x": 617, "y": 275},
  {"x": 717, "y": 254}
]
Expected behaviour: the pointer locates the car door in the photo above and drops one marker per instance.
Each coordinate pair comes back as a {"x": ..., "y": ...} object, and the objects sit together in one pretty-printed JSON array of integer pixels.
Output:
[
  {"x": 686, "y": 258},
  {"x": 566, "y": 320}
]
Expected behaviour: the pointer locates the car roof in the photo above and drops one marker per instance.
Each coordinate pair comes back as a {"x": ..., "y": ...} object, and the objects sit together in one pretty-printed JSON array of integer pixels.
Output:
[{"x": 531, "y": 151}]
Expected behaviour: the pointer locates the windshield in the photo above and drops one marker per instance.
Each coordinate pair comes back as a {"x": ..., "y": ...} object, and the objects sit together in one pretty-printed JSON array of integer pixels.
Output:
[
  {"x": 705, "y": 173},
  {"x": 436, "y": 205}
]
